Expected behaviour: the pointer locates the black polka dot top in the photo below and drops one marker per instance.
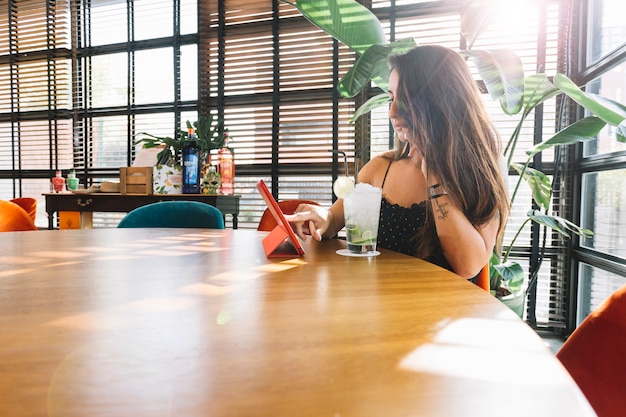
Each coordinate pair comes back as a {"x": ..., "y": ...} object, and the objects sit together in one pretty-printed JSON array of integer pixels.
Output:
[{"x": 398, "y": 226}]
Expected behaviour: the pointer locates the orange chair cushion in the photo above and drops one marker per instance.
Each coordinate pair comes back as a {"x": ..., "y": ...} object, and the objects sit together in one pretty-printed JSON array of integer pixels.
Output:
[
  {"x": 268, "y": 223},
  {"x": 483, "y": 278},
  {"x": 14, "y": 218},
  {"x": 29, "y": 205},
  {"x": 595, "y": 356}
]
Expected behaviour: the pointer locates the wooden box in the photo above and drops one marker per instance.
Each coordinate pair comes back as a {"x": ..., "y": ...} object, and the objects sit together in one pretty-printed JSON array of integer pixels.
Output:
[{"x": 136, "y": 180}]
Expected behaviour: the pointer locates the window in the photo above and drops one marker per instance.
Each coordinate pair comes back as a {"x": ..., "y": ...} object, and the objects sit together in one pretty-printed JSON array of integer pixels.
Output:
[
  {"x": 606, "y": 32},
  {"x": 35, "y": 96},
  {"x": 600, "y": 262}
]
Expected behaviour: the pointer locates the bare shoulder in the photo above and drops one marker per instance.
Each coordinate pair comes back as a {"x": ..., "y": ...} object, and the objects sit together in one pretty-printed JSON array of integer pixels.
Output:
[{"x": 373, "y": 171}]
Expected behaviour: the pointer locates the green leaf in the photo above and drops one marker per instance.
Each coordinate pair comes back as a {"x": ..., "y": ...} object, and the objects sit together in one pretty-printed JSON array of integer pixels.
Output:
[
  {"x": 345, "y": 20},
  {"x": 604, "y": 111},
  {"x": 559, "y": 224},
  {"x": 613, "y": 105},
  {"x": 365, "y": 68},
  {"x": 512, "y": 274},
  {"x": 374, "y": 102},
  {"x": 372, "y": 65},
  {"x": 537, "y": 89},
  {"x": 539, "y": 184},
  {"x": 494, "y": 277},
  {"x": 503, "y": 74},
  {"x": 207, "y": 132},
  {"x": 475, "y": 19},
  {"x": 621, "y": 132},
  {"x": 579, "y": 131},
  {"x": 172, "y": 146}
]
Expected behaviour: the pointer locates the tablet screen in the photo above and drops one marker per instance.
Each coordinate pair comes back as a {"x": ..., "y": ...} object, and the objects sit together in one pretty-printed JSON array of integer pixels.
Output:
[{"x": 272, "y": 205}]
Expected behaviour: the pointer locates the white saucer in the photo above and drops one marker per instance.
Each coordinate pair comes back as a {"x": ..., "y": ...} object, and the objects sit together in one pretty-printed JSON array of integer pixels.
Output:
[{"x": 345, "y": 252}]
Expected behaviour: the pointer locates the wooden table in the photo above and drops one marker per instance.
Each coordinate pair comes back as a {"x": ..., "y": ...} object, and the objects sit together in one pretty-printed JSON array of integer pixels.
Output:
[
  {"x": 87, "y": 204},
  {"x": 188, "y": 322}
]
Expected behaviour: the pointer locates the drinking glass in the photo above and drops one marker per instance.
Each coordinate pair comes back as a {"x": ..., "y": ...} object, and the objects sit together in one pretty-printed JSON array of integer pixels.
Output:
[{"x": 361, "y": 209}]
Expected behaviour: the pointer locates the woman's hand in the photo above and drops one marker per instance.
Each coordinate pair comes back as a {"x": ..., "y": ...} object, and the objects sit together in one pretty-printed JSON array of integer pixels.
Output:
[{"x": 310, "y": 220}]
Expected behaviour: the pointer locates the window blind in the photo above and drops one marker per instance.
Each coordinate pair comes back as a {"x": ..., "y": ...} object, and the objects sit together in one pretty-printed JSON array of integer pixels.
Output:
[
  {"x": 35, "y": 95},
  {"x": 275, "y": 76}
]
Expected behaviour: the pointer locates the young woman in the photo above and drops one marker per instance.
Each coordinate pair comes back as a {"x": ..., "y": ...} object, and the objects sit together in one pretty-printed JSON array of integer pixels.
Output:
[{"x": 444, "y": 199}]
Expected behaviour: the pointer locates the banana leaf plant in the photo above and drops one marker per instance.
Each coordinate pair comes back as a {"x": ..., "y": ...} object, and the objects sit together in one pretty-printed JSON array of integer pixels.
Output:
[
  {"x": 210, "y": 134},
  {"x": 359, "y": 29},
  {"x": 502, "y": 72},
  {"x": 497, "y": 71},
  {"x": 172, "y": 147}
]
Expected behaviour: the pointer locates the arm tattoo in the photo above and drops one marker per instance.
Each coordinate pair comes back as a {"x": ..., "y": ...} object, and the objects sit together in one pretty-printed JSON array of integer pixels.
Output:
[{"x": 441, "y": 211}]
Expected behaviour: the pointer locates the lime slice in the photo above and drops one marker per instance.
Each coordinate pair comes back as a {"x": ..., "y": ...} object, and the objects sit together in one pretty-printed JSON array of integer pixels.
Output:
[
  {"x": 365, "y": 238},
  {"x": 343, "y": 186}
]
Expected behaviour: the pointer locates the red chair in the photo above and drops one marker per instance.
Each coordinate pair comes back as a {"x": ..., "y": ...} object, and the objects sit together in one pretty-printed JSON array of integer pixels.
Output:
[
  {"x": 483, "y": 278},
  {"x": 595, "y": 356},
  {"x": 13, "y": 218},
  {"x": 268, "y": 223},
  {"x": 29, "y": 205}
]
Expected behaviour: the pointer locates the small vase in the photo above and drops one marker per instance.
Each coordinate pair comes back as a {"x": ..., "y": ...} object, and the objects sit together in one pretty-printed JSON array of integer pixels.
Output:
[{"x": 167, "y": 179}]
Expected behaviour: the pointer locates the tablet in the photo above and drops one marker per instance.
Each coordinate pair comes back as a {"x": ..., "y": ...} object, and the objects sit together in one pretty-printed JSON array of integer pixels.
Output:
[{"x": 282, "y": 241}]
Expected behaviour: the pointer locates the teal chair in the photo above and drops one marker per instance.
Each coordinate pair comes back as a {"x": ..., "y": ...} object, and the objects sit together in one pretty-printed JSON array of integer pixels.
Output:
[{"x": 174, "y": 214}]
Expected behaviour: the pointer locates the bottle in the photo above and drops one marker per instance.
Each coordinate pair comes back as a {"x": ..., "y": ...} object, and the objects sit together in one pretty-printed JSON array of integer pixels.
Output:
[
  {"x": 212, "y": 181},
  {"x": 72, "y": 181},
  {"x": 58, "y": 182},
  {"x": 226, "y": 167},
  {"x": 191, "y": 165}
]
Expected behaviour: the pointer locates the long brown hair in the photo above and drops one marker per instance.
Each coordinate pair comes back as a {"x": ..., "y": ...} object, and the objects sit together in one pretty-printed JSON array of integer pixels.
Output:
[{"x": 441, "y": 104}]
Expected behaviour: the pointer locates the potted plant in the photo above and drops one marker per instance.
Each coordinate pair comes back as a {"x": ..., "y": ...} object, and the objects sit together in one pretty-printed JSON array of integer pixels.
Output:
[
  {"x": 502, "y": 72},
  {"x": 210, "y": 134},
  {"x": 167, "y": 172}
]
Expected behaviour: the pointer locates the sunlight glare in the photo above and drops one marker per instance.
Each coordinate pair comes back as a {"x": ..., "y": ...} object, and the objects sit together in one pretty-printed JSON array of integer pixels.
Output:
[
  {"x": 167, "y": 252},
  {"x": 476, "y": 349},
  {"x": 223, "y": 317},
  {"x": 12, "y": 272},
  {"x": 120, "y": 257},
  {"x": 518, "y": 14},
  {"x": 138, "y": 245},
  {"x": 62, "y": 254},
  {"x": 281, "y": 266},
  {"x": 483, "y": 333},
  {"x": 482, "y": 364},
  {"x": 93, "y": 321},
  {"x": 208, "y": 290},
  {"x": 20, "y": 260},
  {"x": 158, "y": 305},
  {"x": 198, "y": 248}
]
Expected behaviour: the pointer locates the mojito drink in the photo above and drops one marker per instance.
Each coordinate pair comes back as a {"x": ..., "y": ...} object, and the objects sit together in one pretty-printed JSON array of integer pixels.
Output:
[{"x": 362, "y": 210}]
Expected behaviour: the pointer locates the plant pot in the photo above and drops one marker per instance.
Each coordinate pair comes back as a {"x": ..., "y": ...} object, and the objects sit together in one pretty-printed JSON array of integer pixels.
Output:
[
  {"x": 167, "y": 179},
  {"x": 515, "y": 302}
]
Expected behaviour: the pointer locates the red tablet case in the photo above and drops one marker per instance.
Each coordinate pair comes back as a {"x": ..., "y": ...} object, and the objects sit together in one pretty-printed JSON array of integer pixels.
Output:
[{"x": 282, "y": 241}]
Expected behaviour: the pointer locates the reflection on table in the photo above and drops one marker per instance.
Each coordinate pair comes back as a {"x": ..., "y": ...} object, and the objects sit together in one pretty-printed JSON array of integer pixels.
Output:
[{"x": 182, "y": 322}]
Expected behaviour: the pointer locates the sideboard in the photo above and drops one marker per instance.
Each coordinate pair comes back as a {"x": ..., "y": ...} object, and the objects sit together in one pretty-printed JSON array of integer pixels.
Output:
[{"x": 87, "y": 204}]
